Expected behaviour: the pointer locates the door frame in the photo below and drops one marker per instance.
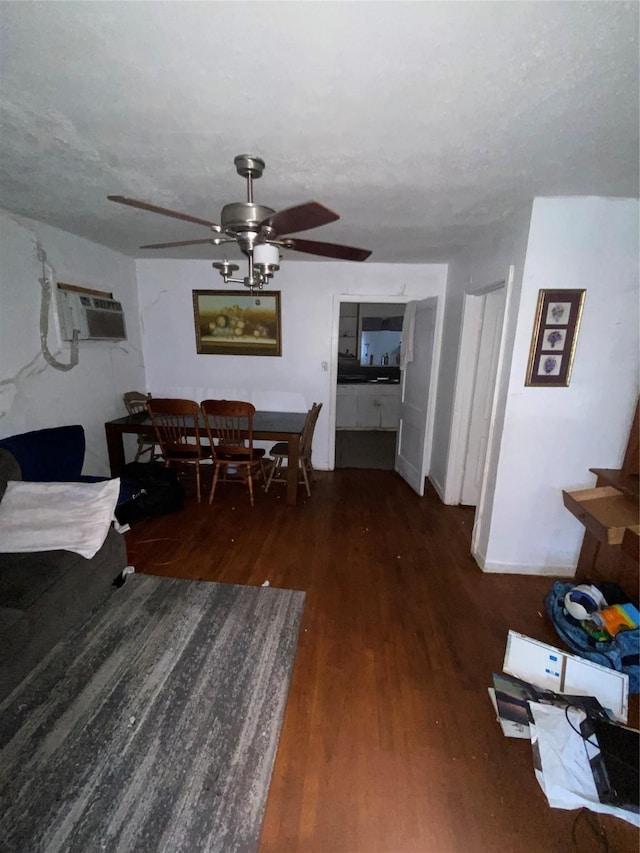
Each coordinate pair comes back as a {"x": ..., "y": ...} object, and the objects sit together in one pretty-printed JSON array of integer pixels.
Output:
[
  {"x": 338, "y": 299},
  {"x": 472, "y": 316},
  {"x": 401, "y": 299}
]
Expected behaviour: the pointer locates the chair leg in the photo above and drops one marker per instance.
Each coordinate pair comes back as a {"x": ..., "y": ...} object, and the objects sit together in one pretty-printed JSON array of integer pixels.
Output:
[
  {"x": 216, "y": 474},
  {"x": 276, "y": 465},
  {"x": 250, "y": 484},
  {"x": 198, "y": 480},
  {"x": 305, "y": 477}
]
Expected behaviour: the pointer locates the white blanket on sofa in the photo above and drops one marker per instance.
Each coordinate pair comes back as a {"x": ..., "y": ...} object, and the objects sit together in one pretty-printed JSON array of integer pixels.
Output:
[{"x": 57, "y": 516}]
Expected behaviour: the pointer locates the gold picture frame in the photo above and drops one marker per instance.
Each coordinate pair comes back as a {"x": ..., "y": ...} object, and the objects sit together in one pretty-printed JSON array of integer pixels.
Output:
[
  {"x": 554, "y": 339},
  {"x": 236, "y": 322}
]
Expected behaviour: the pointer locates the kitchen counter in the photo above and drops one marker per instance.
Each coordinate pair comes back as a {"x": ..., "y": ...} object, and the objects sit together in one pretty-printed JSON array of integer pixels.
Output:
[{"x": 361, "y": 378}]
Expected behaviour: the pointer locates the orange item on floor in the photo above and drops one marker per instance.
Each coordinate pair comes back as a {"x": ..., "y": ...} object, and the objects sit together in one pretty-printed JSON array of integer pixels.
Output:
[{"x": 615, "y": 619}]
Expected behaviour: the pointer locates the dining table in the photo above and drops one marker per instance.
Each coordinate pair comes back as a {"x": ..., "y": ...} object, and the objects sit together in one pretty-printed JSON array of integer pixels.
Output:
[{"x": 267, "y": 426}]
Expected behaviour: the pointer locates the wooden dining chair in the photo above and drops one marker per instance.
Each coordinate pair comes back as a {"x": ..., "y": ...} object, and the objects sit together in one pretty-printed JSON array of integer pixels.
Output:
[
  {"x": 229, "y": 426},
  {"x": 178, "y": 433},
  {"x": 280, "y": 452},
  {"x": 135, "y": 403}
]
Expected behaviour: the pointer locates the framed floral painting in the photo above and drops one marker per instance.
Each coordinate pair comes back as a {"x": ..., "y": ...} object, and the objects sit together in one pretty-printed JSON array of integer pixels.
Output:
[
  {"x": 235, "y": 322},
  {"x": 555, "y": 334}
]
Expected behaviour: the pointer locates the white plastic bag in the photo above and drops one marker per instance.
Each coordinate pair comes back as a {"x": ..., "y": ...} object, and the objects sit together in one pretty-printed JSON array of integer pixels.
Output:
[{"x": 561, "y": 758}]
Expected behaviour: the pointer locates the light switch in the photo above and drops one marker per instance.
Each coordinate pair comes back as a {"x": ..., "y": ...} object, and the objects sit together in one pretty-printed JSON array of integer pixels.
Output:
[{"x": 324, "y": 366}]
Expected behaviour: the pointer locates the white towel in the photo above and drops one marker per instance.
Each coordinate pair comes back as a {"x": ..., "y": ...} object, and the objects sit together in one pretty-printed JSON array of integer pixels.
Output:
[{"x": 408, "y": 330}]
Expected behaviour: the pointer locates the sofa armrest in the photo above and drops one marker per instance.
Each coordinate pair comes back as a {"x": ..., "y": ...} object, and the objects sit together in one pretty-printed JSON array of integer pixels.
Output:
[
  {"x": 66, "y": 588},
  {"x": 9, "y": 469}
]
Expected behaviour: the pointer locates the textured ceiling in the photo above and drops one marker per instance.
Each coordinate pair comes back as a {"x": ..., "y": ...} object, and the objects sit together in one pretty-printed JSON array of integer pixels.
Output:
[{"x": 418, "y": 122}]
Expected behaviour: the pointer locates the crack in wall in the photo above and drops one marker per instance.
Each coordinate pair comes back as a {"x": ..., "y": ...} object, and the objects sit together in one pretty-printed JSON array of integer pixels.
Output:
[
  {"x": 10, "y": 387},
  {"x": 23, "y": 372}
]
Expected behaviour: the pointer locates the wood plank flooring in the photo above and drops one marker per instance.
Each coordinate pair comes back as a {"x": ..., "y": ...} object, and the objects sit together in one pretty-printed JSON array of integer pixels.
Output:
[{"x": 389, "y": 743}]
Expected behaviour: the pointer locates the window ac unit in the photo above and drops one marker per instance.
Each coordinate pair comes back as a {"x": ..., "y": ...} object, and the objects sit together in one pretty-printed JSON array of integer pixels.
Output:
[{"x": 95, "y": 318}]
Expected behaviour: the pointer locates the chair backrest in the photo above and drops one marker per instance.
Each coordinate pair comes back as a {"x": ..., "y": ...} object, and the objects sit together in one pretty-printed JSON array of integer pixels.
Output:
[
  {"x": 306, "y": 439},
  {"x": 136, "y": 402},
  {"x": 176, "y": 423},
  {"x": 229, "y": 425}
]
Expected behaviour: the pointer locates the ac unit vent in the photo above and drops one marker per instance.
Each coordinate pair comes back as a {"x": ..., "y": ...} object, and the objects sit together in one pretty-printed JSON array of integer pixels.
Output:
[{"x": 95, "y": 318}]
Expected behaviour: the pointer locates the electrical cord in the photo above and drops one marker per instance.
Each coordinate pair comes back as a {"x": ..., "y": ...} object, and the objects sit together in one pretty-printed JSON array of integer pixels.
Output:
[
  {"x": 577, "y": 731},
  {"x": 593, "y": 822},
  {"x": 595, "y": 744},
  {"x": 48, "y": 274},
  {"x": 157, "y": 539}
]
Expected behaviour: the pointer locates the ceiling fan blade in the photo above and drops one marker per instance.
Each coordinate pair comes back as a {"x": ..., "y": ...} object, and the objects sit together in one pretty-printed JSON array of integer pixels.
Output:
[
  {"x": 328, "y": 250},
  {"x": 311, "y": 214},
  {"x": 144, "y": 205},
  {"x": 178, "y": 243}
]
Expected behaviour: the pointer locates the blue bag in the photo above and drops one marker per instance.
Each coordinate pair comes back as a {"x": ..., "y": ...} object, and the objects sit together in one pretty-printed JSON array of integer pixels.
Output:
[{"x": 621, "y": 653}]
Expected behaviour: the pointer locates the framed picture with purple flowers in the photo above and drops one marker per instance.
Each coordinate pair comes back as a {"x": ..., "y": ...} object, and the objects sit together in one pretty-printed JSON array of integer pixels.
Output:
[{"x": 555, "y": 334}]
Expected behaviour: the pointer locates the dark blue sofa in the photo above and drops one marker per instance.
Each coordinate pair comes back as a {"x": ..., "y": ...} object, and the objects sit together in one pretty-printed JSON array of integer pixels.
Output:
[{"x": 54, "y": 455}]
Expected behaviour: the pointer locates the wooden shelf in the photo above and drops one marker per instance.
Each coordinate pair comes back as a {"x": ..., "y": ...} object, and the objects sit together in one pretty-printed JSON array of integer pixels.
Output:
[
  {"x": 611, "y": 517},
  {"x": 604, "y": 511},
  {"x": 619, "y": 479}
]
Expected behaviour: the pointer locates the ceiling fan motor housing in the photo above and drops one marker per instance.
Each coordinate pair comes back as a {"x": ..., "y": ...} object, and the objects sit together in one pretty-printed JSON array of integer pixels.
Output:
[{"x": 243, "y": 216}]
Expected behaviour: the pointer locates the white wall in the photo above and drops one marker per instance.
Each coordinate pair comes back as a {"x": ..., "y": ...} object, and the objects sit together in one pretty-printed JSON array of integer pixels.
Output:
[
  {"x": 483, "y": 263},
  {"x": 552, "y": 436},
  {"x": 309, "y": 305},
  {"x": 33, "y": 394}
]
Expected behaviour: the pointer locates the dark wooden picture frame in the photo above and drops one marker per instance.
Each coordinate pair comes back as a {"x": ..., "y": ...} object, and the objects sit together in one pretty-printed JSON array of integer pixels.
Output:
[
  {"x": 554, "y": 339},
  {"x": 237, "y": 322}
]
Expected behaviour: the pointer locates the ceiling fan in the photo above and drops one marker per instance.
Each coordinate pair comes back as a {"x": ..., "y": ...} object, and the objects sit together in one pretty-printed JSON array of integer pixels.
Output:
[{"x": 259, "y": 231}]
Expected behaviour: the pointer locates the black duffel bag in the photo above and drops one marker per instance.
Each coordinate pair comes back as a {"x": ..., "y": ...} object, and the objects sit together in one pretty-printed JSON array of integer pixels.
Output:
[{"x": 154, "y": 490}]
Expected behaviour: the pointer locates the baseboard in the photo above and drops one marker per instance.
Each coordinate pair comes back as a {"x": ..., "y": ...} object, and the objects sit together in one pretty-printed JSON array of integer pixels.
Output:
[
  {"x": 437, "y": 486},
  {"x": 524, "y": 569}
]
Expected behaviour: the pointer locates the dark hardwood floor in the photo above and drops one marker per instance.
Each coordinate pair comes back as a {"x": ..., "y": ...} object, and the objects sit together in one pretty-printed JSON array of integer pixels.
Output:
[{"x": 389, "y": 742}]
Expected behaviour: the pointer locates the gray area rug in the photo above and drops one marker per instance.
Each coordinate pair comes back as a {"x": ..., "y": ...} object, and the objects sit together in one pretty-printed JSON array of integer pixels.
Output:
[{"x": 154, "y": 726}]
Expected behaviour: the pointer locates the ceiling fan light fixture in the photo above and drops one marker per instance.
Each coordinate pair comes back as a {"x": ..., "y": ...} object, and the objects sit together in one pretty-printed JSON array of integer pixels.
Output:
[
  {"x": 266, "y": 258},
  {"x": 225, "y": 269}
]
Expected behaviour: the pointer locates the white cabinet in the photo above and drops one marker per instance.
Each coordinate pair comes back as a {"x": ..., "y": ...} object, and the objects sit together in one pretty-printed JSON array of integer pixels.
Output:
[
  {"x": 346, "y": 410},
  {"x": 368, "y": 406}
]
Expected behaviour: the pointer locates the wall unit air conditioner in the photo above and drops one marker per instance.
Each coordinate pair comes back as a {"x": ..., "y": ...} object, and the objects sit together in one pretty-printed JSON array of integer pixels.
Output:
[{"x": 95, "y": 317}]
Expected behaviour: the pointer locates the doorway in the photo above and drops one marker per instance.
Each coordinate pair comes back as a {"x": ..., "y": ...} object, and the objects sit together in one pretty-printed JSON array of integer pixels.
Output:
[
  {"x": 492, "y": 307},
  {"x": 368, "y": 387},
  {"x": 473, "y": 406}
]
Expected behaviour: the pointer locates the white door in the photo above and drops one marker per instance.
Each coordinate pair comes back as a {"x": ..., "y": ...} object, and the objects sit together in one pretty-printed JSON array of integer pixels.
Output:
[
  {"x": 414, "y": 446},
  {"x": 482, "y": 399}
]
